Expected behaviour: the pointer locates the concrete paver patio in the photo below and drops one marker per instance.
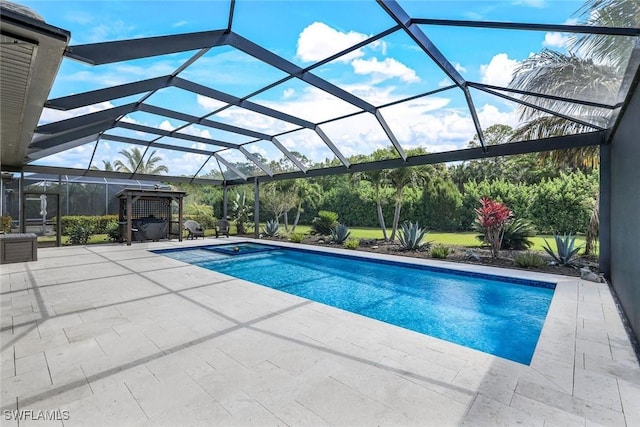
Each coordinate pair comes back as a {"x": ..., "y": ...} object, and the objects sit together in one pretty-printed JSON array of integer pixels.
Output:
[{"x": 114, "y": 335}]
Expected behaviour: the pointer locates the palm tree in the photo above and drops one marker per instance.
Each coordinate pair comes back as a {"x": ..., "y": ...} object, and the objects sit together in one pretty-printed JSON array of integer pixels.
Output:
[
  {"x": 399, "y": 179},
  {"x": 378, "y": 178},
  {"x": 600, "y": 65},
  {"x": 135, "y": 162},
  {"x": 613, "y": 50},
  {"x": 107, "y": 166},
  {"x": 598, "y": 68},
  {"x": 556, "y": 73},
  {"x": 306, "y": 193}
]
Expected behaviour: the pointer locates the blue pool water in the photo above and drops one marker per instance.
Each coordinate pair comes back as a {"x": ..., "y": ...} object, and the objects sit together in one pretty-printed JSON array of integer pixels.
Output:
[{"x": 492, "y": 314}]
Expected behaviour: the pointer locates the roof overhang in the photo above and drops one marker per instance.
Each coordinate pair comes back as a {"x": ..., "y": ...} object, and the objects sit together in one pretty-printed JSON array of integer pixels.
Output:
[{"x": 31, "y": 52}]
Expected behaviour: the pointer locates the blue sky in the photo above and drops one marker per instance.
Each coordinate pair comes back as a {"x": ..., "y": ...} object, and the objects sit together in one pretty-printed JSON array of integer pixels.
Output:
[{"x": 304, "y": 32}]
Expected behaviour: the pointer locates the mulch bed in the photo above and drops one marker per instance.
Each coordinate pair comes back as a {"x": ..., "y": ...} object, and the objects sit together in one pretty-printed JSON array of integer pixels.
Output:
[{"x": 459, "y": 255}]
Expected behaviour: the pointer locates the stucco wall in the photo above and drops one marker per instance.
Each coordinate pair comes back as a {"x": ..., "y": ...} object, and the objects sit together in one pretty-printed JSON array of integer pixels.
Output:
[{"x": 625, "y": 212}]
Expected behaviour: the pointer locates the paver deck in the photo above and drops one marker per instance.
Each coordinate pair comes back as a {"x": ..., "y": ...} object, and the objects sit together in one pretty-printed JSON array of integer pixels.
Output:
[{"x": 118, "y": 336}]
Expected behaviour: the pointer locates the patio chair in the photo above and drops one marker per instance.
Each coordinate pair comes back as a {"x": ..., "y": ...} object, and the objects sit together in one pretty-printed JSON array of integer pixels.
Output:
[
  {"x": 193, "y": 229},
  {"x": 222, "y": 227}
]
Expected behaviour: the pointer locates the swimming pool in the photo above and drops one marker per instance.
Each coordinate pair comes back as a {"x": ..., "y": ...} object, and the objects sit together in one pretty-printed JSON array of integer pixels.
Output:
[{"x": 496, "y": 315}]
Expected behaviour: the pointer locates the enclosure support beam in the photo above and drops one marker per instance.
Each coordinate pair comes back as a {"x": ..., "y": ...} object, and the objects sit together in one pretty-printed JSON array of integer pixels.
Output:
[
  {"x": 604, "y": 257},
  {"x": 23, "y": 225},
  {"x": 224, "y": 201},
  {"x": 256, "y": 208},
  {"x": 59, "y": 215}
]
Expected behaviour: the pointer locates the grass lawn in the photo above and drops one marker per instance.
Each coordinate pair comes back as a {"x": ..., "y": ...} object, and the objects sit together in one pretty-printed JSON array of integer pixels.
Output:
[{"x": 467, "y": 238}]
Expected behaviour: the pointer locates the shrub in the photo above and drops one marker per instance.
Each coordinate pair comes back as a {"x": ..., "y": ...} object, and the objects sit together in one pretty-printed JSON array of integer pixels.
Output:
[
  {"x": 529, "y": 259},
  {"x": 5, "y": 223},
  {"x": 340, "y": 233},
  {"x": 441, "y": 203},
  {"x": 96, "y": 223},
  {"x": 113, "y": 231},
  {"x": 242, "y": 212},
  {"x": 565, "y": 250},
  {"x": 517, "y": 196},
  {"x": 411, "y": 236},
  {"x": 296, "y": 237},
  {"x": 79, "y": 235},
  {"x": 564, "y": 204},
  {"x": 516, "y": 233},
  {"x": 201, "y": 213},
  {"x": 491, "y": 217},
  {"x": 440, "y": 252},
  {"x": 272, "y": 228},
  {"x": 325, "y": 222},
  {"x": 351, "y": 243}
]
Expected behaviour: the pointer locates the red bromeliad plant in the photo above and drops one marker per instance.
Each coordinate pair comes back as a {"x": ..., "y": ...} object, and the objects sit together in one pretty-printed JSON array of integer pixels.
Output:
[{"x": 492, "y": 216}]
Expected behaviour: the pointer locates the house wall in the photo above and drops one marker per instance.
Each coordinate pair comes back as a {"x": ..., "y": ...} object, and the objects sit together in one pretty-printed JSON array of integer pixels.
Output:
[{"x": 624, "y": 187}]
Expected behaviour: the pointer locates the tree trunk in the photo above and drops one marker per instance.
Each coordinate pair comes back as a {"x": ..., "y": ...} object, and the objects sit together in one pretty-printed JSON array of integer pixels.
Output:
[
  {"x": 380, "y": 214},
  {"x": 286, "y": 221},
  {"x": 381, "y": 219},
  {"x": 593, "y": 230},
  {"x": 295, "y": 221},
  {"x": 396, "y": 214}
]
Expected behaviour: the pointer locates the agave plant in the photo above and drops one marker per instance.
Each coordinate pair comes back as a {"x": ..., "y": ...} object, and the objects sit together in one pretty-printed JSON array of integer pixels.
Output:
[
  {"x": 272, "y": 228},
  {"x": 411, "y": 236},
  {"x": 340, "y": 233},
  {"x": 565, "y": 249}
]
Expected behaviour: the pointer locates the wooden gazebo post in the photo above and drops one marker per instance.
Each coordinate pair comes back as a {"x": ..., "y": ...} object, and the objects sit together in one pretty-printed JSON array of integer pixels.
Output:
[
  {"x": 129, "y": 222},
  {"x": 180, "y": 218}
]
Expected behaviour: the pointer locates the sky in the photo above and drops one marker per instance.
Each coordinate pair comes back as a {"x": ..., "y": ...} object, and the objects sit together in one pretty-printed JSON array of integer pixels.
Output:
[{"x": 303, "y": 32}]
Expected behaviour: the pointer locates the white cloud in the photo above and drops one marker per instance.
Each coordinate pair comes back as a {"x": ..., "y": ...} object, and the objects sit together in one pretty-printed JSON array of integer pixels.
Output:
[
  {"x": 196, "y": 131},
  {"x": 489, "y": 115},
  {"x": 77, "y": 157},
  {"x": 499, "y": 71},
  {"x": 558, "y": 39},
  {"x": 319, "y": 41},
  {"x": 288, "y": 93},
  {"x": 128, "y": 119},
  {"x": 555, "y": 40},
  {"x": 383, "y": 70},
  {"x": 114, "y": 30},
  {"x": 445, "y": 82},
  {"x": 179, "y": 24},
  {"x": 166, "y": 125},
  {"x": 209, "y": 104},
  {"x": 50, "y": 115},
  {"x": 459, "y": 67},
  {"x": 254, "y": 121},
  {"x": 430, "y": 123},
  {"x": 120, "y": 74},
  {"x": 188, "y": 163}
]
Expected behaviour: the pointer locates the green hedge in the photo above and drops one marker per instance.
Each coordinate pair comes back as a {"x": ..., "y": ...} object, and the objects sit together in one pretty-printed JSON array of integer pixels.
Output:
[
  {"x": 97, "y": 224},
  {"x": 564, "y": 204}
]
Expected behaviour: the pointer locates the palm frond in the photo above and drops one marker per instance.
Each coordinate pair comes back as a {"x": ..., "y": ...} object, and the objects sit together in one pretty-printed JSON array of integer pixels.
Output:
[
  {"x": 547, "y": 127},
  {"x": 553, "y": 73},
  {"x": 613, "y": 50}
]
